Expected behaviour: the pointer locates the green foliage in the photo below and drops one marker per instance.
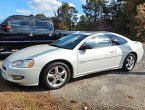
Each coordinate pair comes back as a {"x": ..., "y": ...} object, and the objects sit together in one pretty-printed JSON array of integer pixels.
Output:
[
  {"x": 140, "y": 19},
  {"x": 65, "y": 17},
  {"x": 126, "y": 17},
  {"x": 120, "y": 16},
  {"x": 94, "y": 9},
  {"x": 83, "y": 24},
  {"x": 41, "y": 15},
  {"x": 101, "y": 14},
  {"x": 128, "y": 20},
  {"x": 124, "y": 21}
]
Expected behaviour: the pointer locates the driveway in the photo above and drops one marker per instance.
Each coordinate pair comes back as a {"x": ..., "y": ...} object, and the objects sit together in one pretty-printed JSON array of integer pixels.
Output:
[{"x": 101, "y": 91}]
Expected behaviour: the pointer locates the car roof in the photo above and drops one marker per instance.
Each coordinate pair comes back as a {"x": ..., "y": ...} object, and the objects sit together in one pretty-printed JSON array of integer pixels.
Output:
[
  {"x": 89, "y": 33},
  {"x": 93, "y": 32},
  {"x": 31, "y": 16}
]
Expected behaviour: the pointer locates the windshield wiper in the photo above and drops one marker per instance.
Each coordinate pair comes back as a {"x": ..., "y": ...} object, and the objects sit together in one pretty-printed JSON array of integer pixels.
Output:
[
  {"x": 59, "y": 46},
  {"x": 54, "y": 45}
]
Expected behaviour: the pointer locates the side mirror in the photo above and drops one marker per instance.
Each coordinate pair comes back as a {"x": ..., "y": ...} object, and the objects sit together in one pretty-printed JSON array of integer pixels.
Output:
[{"x": 85, "y": 47}]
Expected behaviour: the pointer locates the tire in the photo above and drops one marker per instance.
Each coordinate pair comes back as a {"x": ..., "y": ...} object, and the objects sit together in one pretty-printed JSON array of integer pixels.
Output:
[
  {"x": 129, "y": 62},
  {"x": 55, "y": 75}
]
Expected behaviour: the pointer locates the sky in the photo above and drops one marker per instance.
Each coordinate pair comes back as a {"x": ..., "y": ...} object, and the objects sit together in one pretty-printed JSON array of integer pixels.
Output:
[{"x": 27, "y": 7}]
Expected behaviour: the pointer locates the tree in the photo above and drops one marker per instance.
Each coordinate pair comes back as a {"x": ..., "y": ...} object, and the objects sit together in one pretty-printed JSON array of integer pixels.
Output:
[
  {"x": 83, "y": 24},
  {"x": 41, "y": 15},
  {"x": 94, "y": 9},
  {"x": 140, "y": 18},
  {"x": 123, "y": 21},
  {"x": 126, "y": 17},
  {"x": 98, "y": 14},
  {"x": 66, "y": 17}
]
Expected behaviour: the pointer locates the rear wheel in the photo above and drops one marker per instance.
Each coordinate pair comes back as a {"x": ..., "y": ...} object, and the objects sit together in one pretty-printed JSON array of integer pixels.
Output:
[
  {"x": 129, "y": 62},
  {"x": 55, "y": 75}
]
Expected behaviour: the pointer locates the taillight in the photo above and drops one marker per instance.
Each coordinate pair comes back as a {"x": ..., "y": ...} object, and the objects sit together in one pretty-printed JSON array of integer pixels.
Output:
[{"x": 8, "y": 27}]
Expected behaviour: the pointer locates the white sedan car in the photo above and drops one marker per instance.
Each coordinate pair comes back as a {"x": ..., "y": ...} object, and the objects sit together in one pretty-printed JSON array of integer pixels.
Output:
[{"x": 70, "y": 57}]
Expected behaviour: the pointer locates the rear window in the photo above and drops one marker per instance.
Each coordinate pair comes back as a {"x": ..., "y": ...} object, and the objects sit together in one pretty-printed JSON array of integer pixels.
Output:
[{"x": 116, "y": 40}]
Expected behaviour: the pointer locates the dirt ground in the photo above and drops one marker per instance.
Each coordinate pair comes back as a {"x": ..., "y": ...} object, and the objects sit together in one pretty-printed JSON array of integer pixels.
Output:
[{"x": 110, "y": 90}]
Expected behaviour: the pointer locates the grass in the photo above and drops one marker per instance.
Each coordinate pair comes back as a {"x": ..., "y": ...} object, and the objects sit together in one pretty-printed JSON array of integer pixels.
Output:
[
  {"x": 29, "y": 101},
  {"x": 15, "y": 97}
]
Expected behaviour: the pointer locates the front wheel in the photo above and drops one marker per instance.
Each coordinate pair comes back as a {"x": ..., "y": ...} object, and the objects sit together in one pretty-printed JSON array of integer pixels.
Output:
[
  {"x": 55, "y": 75},
  {"x": 129, "y": 62}
]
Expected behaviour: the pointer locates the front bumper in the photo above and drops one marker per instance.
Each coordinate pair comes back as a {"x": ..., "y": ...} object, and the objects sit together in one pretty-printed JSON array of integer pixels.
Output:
[{"x": 31, "y": 75}]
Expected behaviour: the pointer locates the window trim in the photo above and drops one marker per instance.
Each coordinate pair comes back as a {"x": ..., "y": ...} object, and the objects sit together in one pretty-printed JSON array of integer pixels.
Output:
[
  {"x": 98, "y": 46},
  {"x": 118, "y": 36}
]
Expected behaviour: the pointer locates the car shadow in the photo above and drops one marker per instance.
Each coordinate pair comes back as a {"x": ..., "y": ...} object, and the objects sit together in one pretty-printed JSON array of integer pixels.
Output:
[
  {"x": 118, "y": 71},
  {"x": 3, "y": 57},
  {"x": 6, "y": 86}
]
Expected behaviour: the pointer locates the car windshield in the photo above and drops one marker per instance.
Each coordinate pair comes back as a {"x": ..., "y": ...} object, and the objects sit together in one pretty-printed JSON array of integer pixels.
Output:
[{"x": 70, "y": 41}]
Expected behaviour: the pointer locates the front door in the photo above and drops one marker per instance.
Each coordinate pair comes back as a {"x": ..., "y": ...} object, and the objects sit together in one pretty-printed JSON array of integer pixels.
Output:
[{"x": 100, "y": 57}]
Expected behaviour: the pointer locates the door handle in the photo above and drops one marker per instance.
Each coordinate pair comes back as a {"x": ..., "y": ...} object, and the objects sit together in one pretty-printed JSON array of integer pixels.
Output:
[
  {"x": 111, "y": 51},
  {"x": 31, "y": 34}
]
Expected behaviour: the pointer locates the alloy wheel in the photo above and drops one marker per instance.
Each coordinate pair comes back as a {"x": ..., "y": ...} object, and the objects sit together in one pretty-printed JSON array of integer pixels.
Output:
[
  {"x": 130, "y": 62},
  {"x": 56, "y": 76}
]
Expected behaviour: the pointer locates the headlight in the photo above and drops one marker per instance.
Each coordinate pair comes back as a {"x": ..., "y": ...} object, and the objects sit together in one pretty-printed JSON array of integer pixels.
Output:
[{"x": 23, "y": 63}]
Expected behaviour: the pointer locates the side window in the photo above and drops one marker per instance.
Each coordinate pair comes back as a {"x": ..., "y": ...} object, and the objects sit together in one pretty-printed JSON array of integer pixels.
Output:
[
  {"x": 19, "y": 24},
  {"x": 116, "y": 40},
  {"x": 39, "y": 24},
  {"x": 98, "y": 41}
]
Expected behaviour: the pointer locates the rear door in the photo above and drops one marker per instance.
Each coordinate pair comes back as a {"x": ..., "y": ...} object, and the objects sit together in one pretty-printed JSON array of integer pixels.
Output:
[{"x": 42, "y": 29}]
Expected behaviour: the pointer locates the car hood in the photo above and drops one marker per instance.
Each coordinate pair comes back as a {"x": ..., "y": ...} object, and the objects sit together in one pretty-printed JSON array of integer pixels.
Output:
[{"x": 31, "y": 52}]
